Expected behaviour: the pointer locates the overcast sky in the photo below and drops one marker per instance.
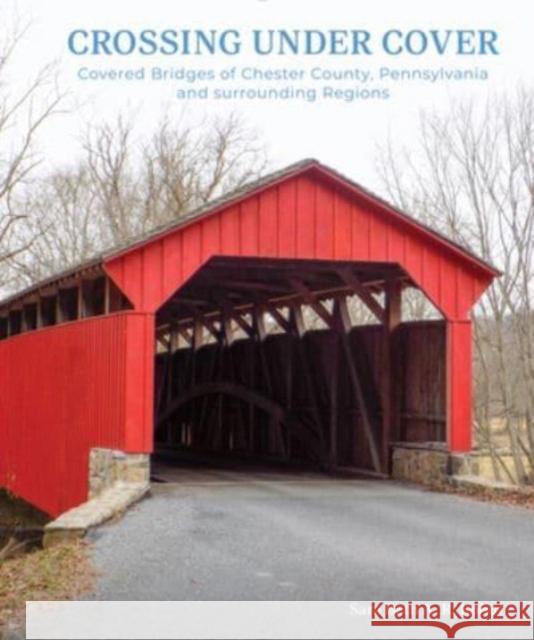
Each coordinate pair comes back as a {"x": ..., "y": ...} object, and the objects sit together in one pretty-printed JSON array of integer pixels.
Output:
[{"x": 343, "y": 135}]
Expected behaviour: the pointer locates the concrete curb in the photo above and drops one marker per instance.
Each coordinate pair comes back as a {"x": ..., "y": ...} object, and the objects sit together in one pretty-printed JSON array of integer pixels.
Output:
[{"x": 77, "y": 521}]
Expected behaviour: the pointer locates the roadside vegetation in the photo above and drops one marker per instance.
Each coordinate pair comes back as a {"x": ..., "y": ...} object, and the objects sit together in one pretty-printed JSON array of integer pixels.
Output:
[
  {"x": 29, "y": 572},
  {"x": 513, "y": 496},
  {"x": 470, "y": 174},
  {"x": 62, "y": 572}
]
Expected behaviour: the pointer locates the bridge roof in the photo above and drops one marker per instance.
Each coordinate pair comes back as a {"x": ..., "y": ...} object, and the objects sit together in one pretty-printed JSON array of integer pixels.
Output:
[{"x": 308, "y": 167}]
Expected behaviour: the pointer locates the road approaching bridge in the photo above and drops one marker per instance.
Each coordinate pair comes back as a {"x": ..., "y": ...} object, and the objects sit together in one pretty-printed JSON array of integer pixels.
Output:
[{"x": 229, "y": 535}]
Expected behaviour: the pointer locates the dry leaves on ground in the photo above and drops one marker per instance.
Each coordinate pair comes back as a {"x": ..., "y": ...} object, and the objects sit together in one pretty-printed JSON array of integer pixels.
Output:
[
  {"x": 512, "y": 497},
  {"x": 62, "y": 572}
]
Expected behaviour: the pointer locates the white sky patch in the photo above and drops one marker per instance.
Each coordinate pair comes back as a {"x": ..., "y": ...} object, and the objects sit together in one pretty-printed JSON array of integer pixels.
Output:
[{"x": 343, "y": 134}]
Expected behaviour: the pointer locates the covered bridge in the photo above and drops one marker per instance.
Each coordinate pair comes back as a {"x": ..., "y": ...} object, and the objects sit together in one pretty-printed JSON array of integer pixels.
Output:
[{"x": 232, "y": 331}]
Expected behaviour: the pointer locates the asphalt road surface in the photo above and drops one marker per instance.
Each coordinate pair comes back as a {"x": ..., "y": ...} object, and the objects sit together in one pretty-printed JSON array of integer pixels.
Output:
[{"x": 227, "y": 535}]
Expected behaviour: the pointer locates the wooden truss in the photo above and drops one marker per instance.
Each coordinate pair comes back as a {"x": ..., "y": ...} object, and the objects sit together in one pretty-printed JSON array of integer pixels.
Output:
[
  {"x": 196, "y": 327},
  {"x": 87, "y": 294}
]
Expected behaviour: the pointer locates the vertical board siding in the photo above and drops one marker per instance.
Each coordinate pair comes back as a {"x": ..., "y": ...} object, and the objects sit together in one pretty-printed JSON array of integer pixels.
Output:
[
  {"x": 422, "y": 366},
  {"x": 342, "y": 229},
  {"x": 64, "y": 390},
  {"x": 303, "y": 217},
  {"x": 249, "y": 227},
  {"x": 287, "y": 218},
  {"x": 132, "y": 273},
  {"x": 230, "y": 223},
  {"x": 281, "y": 374},
  {"x": 378, "y": 233},
  {"x": 138, "y": 373},
  {"x": 172, "y": 252},
  {"x": 360, "y": 234},
  {"x": 459, "y": 385},
  {"x": 268, "y": 224},
  {"x": 324, "y": 223}
]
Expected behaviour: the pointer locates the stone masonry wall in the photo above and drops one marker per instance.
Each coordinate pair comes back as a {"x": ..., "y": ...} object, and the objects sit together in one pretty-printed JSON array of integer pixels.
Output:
[
  {"x": 429, "y": 463},
  {"x": 426, "y": 464},
  {"x": 108, "y": 466}
]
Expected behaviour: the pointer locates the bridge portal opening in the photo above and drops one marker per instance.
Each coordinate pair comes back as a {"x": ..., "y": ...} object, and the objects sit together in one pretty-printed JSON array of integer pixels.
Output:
[{"x": 303, "y": 363}]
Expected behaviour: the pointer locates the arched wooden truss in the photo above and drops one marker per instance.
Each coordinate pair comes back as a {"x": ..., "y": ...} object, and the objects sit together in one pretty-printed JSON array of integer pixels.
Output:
[
  {"x": 190, "y": 393},
  {"x": 279, "y": 418}
]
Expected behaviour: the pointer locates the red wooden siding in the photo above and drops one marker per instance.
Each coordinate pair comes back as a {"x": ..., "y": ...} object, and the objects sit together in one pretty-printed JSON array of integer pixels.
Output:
[
  {"x": 302, "y": 217},
  {"x": 459, "y": 385},
  {"x": 66, "y": 389}
]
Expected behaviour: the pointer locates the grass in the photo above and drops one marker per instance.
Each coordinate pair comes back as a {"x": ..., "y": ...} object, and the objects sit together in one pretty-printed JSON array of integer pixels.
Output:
[
  {"x": 28, "y": 572},
  {"x": 61, "y": 572}
]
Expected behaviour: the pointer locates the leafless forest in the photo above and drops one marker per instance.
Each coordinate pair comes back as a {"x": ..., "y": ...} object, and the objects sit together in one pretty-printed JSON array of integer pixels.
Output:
[
  {"x": 121, "y": 183},
  {"x": 469, "y": 173}
]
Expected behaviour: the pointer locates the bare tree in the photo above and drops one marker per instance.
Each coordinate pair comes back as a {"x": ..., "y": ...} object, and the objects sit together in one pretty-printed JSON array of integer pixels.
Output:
[
  {"x": 187, "y": 166},
  {"x": 23, "y": 112},
  {"x": 109, "y": 162},
  {"x": 124, "y": 184},
  {"x": 471, "y": 174},
  {"x": 64, "y": 213},
  {"x": 142, "y": 182}
]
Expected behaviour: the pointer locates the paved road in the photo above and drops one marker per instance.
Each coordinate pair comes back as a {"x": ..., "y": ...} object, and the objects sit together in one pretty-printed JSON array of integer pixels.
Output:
[{"x": 224, "y": 535}]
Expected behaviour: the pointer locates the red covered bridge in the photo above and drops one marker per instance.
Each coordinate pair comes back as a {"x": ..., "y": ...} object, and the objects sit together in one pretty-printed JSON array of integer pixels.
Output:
[{"x": 232, "y": 331}]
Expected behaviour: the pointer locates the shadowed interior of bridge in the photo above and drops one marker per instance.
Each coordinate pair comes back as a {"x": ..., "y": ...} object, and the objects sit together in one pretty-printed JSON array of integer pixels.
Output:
[{"x": 187, "y": 471}]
